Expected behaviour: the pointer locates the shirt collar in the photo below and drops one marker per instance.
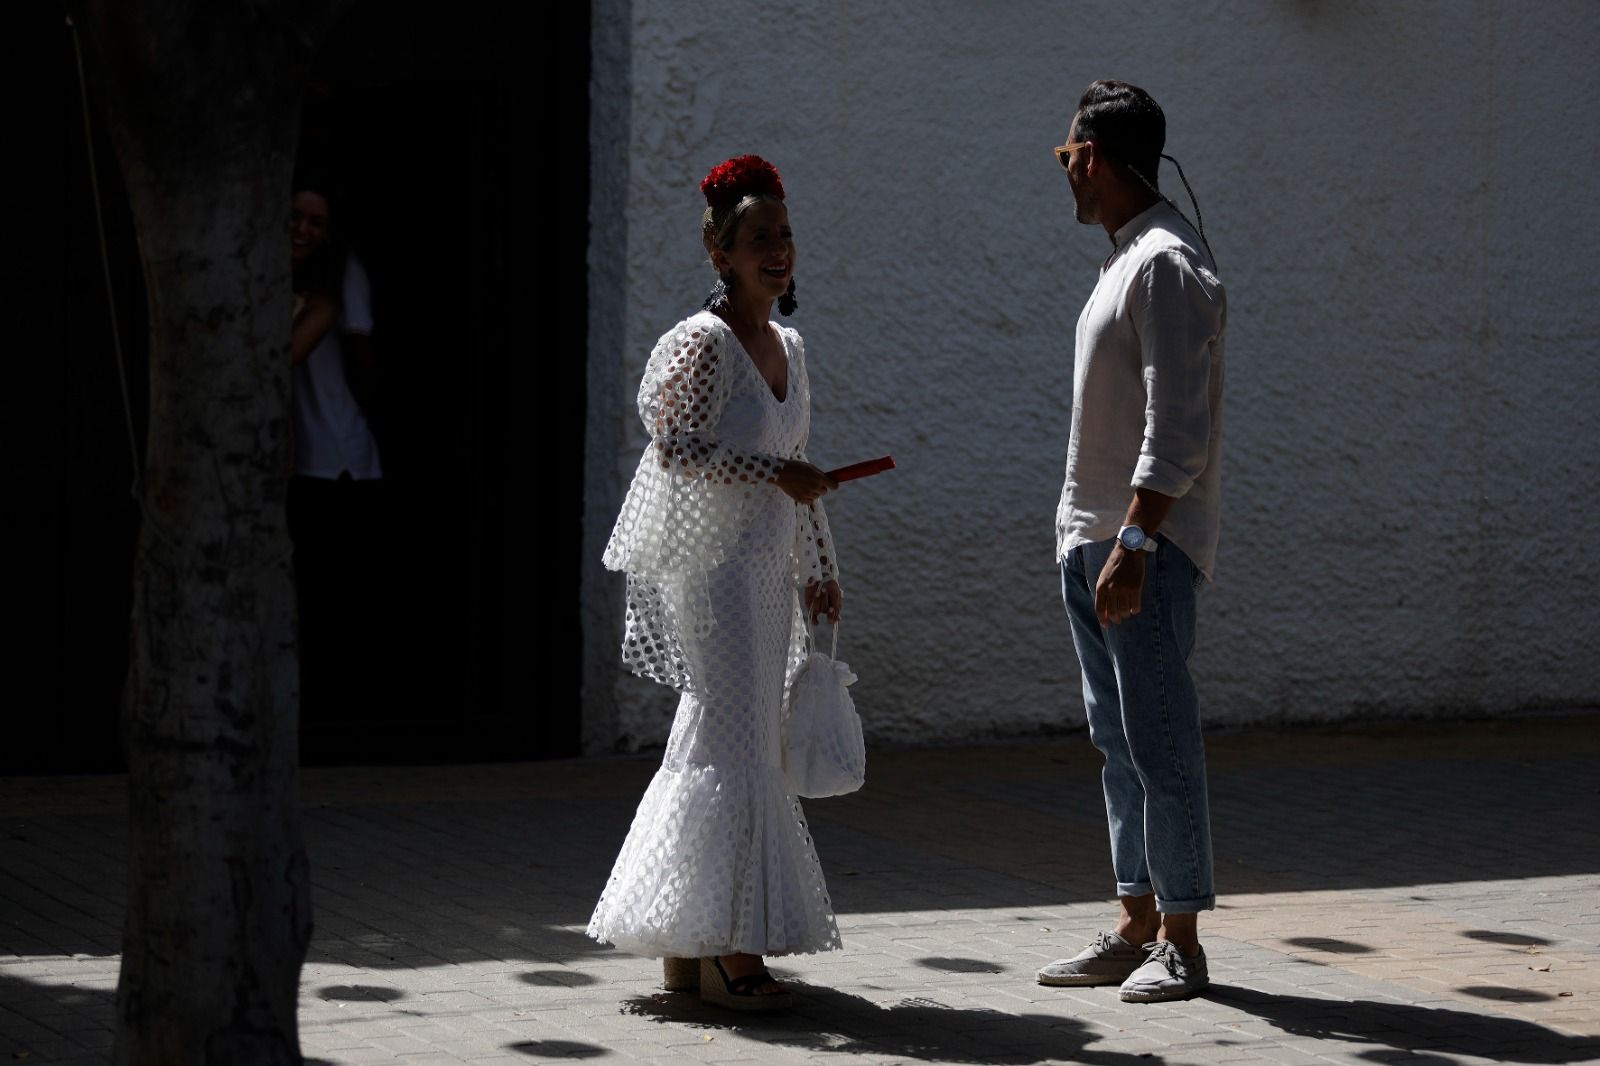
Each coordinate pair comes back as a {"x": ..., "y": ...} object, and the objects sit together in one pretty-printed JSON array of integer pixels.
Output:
[{"x": 1136, "y": 225}]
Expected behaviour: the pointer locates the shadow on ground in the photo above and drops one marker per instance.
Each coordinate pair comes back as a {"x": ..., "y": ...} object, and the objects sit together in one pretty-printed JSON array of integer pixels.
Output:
[
  {"x": 455, "y": 864},
  {"x": 826, "y": 1020},
  {"x": 1421, "y": 1031},
  {"x": 559, "y": 1049}
]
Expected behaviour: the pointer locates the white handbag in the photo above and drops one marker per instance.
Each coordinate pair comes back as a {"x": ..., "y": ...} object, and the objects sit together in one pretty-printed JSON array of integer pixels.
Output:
[{"x": 823, "y": 750}]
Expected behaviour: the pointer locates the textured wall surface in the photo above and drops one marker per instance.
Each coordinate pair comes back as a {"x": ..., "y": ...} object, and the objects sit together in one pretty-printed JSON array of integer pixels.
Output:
[{"x": 1401, "y": 200}]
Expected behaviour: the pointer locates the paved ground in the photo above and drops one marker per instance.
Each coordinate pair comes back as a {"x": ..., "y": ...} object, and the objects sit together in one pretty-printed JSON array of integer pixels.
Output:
[{"x": 1423, "y": 895}]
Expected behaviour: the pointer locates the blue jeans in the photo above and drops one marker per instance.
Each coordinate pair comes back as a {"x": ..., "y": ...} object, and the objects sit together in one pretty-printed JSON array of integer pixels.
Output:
[{"x": 1144, "y": 716}]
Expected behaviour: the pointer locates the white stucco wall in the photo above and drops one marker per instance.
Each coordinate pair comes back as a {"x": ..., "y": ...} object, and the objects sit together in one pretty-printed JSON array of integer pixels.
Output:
[{"x": 1402, "y": 201}]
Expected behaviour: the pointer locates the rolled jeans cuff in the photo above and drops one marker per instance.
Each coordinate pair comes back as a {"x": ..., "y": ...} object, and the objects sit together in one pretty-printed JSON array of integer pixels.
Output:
[
  {"x": 1186, "y": 906},
  {"x": 1135, "y": 888}
]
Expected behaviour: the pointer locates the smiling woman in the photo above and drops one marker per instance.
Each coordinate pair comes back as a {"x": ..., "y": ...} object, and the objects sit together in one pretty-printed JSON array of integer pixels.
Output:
[
  {"x": 723, "y": 537},
  {"x": 337, "y": 497}
]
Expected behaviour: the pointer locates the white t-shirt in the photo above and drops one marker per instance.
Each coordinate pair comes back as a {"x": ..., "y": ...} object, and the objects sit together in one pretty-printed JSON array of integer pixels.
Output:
[{"x": 331, "y": 434}]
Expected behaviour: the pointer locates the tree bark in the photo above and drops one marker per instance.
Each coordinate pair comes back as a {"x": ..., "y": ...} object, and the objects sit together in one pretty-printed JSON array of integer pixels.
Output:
[{"x": 203, "y": 105}]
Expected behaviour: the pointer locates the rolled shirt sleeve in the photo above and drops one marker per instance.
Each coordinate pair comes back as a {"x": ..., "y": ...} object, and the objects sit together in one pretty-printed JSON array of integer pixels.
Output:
[{"x": 1178, "y": 316}]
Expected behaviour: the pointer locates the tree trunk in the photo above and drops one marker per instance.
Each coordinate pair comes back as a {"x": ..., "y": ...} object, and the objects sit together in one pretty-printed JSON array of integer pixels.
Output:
[{"x": 203, "y": 102}]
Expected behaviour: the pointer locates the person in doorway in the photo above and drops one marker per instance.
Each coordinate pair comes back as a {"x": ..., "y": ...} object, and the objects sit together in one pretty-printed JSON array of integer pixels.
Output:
[
  {"x": 336, "y": 494},
  {"x": 723, "y": 537},
  {"x": 1136, "y": 535}
]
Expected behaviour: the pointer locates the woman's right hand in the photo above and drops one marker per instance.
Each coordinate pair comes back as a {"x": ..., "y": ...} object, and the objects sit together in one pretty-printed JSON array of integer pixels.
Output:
[{"x": 804, "y": 482}]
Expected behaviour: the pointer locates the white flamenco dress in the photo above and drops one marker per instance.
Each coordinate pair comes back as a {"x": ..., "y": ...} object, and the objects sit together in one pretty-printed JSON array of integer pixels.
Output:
[{"x": 719, "y": 859}]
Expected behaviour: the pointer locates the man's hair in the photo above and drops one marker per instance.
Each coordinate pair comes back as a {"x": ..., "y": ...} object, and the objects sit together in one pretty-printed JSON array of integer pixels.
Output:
[{"x": 1126, "y": 124}]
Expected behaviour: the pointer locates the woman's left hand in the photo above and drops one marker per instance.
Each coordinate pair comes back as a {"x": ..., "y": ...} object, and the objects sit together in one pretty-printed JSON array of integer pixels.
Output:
[{"x": 824, "y": 596}]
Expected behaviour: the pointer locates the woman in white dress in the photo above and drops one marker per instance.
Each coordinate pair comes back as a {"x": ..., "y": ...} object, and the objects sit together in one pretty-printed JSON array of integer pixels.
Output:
[{"x": 723, "y": 538}]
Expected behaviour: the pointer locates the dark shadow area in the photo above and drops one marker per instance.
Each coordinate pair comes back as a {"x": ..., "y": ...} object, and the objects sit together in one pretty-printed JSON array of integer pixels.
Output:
[
  {"x": 1418, "y": 1030},
  {"x": 1323, "y": 943},
  {"x": 825, "y": 1020},
  {"x": 1516, "y": 940},
  {"x": 944, "y": 965},
  {"x": 71, "y": 461},
  {"x": 459, "y": 207},
  {"x": 558, "y": 978},
  {"x": 360, "y": 994},
  {"x": 1360, "y": 812},
  {"x": 559, "y": 1049},
  {"x": 35, "y": 1014},
  {"x": 527, "y": 873},
  {"x": 1503, "y": 994}
]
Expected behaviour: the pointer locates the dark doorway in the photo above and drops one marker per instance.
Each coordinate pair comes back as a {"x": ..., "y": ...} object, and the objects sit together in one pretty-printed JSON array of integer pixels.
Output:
[
  {"x": 461, "y": 151},
  {"x": 68, "y": 458},
  {"x": 462, "y": 148}
]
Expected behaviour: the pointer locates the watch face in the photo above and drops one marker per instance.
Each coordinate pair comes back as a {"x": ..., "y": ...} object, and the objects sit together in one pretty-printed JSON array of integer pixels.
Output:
[{"x": 1132, "y": 538}]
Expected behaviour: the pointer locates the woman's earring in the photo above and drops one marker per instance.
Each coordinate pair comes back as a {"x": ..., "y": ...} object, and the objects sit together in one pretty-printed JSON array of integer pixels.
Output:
[
  {"x": 787, "y": 303},
  {"x": 719, "y": 293}
]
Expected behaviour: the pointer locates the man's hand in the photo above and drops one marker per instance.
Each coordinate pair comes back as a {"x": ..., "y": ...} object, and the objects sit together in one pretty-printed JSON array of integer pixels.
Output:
[
  {"x": 804, "y": 482},
  {"x": 1117, "y": 593},
  {"x": 824, "y": 596}
]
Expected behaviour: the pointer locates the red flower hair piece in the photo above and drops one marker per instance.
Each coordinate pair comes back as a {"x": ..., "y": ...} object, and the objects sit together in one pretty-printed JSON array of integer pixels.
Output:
[{"x": 743, "y": 175}]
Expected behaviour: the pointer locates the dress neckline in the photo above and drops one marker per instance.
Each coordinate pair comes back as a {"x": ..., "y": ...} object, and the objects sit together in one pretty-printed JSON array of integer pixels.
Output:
[{"x": 766, "y": 385}]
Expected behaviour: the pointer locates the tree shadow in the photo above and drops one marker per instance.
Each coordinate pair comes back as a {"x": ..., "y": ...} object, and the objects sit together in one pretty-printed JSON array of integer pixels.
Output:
[
  {"x": 827, "y": 1020},
  {"x": 1328, "y": 944},
  {"x": 1503, "y": 994},
  {"x": 948, "y": 965},
  {"x": 1404, "y": 1027},
  {"x": 360, "y": 994},
  {"x": 92, "y": 1010},
  {"x": 1515, "y": 940},
  {"x": 559, "y": 1049},
  {"x": 558, "y": 978}
]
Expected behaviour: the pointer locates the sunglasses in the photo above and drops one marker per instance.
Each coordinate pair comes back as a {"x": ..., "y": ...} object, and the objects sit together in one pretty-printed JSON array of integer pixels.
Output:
[{"x": 1064, "y": 153}]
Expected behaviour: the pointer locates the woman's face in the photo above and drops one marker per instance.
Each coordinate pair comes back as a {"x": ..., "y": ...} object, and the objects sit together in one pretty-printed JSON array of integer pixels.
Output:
[
  {"x": 308, "y": 224},
  {"x": 762, "y": 257}
]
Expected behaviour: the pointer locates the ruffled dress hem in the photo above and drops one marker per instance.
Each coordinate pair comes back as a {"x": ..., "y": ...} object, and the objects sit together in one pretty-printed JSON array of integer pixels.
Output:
[{"x": 717, "y": 861}]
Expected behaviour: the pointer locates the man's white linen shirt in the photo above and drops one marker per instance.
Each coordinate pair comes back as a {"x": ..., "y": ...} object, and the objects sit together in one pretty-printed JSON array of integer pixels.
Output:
[{"x": 1147, "y": 390}]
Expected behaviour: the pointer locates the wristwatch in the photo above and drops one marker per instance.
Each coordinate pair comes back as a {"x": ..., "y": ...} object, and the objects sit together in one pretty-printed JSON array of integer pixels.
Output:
[{"x": 1134, "y": 539}]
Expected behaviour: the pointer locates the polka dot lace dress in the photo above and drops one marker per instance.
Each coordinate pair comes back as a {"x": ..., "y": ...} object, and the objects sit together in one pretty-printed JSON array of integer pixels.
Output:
[{"x": 718, "y": 859}]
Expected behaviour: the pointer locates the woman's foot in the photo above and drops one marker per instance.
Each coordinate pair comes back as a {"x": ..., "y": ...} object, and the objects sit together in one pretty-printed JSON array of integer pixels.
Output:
[
  {"x": 738, "y": 966},
  {"x": 741, "y": 982}
]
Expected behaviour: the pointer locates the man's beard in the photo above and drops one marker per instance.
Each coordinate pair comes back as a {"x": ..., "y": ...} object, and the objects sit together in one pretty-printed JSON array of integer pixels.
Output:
[{"x": 1085, "y": 211}]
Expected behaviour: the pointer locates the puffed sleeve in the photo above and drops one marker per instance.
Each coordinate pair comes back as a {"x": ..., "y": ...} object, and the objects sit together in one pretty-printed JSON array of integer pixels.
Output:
[
  {"x": 682, "y": 399},
  {"x": 693, "y": 493}
]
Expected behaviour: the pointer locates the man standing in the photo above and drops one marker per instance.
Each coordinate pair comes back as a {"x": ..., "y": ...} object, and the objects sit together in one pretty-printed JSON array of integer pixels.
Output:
[{"x": 1136, "y": 534}]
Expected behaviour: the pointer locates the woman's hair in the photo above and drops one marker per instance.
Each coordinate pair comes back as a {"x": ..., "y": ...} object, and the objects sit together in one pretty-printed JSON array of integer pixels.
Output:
[
  {"x": 1126, "y": 124},
  {"x": 732, "y": 188},
  {"x": 323, "y": 270},
  {"x": 719, "y": 229}
]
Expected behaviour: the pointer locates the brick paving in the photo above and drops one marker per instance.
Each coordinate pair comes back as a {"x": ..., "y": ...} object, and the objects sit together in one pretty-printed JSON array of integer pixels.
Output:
[{"x": 1408, "y": 894}]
